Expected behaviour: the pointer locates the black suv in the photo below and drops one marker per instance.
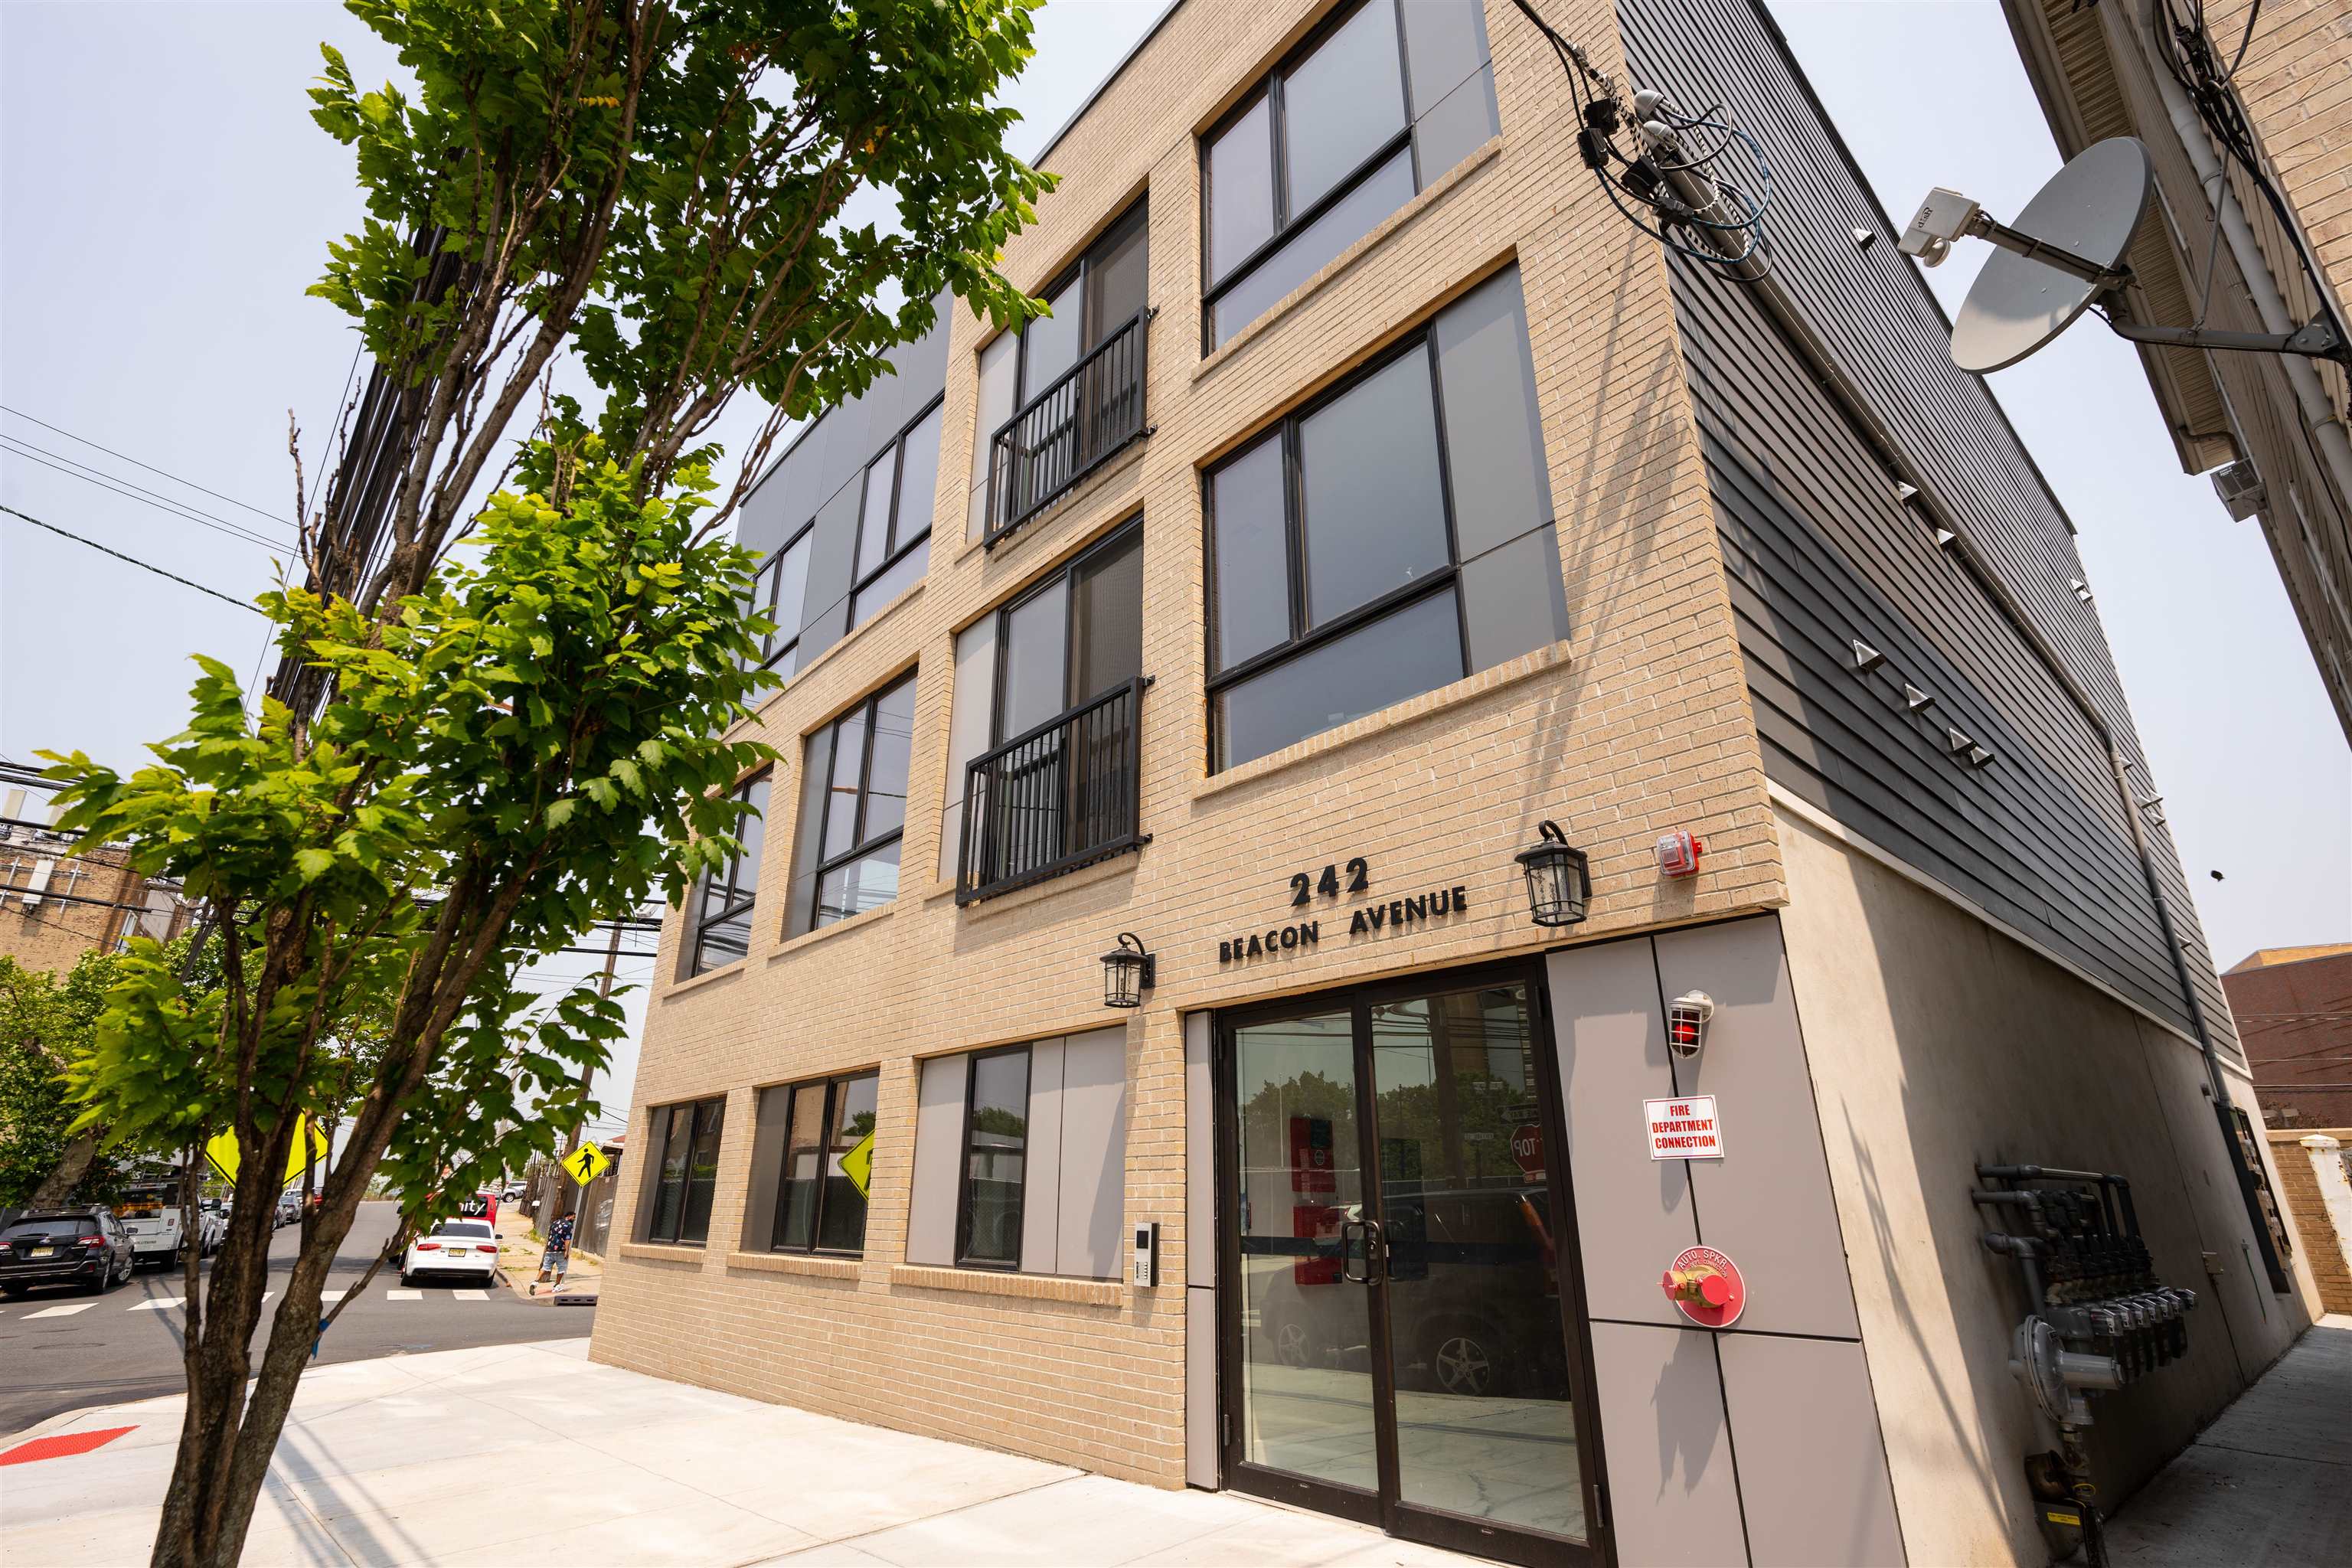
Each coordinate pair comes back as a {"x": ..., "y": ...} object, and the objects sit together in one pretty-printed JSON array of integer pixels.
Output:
[{"x": 84, "y": 1247}]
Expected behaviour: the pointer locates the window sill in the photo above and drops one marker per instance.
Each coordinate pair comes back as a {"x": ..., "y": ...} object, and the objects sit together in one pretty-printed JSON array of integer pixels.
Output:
[
  {"x": 1508, "y": 673},
  {"x": 797, "y": 1263},
  {"x": 809, "y": 939},
  {"x": 663, "y": 1252},
  {"x": 709, "y": 977},
  {"x": 1031, "y": 1287},
  {"x": 759, "y": 714},
  {"x": 1347, "y": 259}
]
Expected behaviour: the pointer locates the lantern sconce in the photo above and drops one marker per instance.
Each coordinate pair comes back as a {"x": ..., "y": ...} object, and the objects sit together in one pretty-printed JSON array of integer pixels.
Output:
[
  {"x": 1686, "y": 1021},
  {"x": 1559, "y": 878},
  {"x": 1127, "y": 973}
]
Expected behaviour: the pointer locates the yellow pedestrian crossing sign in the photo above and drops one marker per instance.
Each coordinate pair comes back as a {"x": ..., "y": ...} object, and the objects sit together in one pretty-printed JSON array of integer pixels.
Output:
[
  {"x": 858, "y": 1165},
  {"x": 308, "y": 1144},
  {"x": 586, "y": 1163}
]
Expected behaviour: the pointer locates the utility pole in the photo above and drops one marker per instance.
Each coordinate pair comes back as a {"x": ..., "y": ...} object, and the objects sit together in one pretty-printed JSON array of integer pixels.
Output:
[{"x": 550, "y": 1207}]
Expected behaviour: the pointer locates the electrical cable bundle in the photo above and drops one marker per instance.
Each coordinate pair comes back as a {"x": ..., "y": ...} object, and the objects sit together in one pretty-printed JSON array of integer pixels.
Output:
[{"x": 1680, "y": 171}]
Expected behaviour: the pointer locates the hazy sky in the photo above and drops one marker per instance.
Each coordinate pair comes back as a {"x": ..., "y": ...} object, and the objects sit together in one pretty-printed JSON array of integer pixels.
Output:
[{"x": 164, "y": 200}]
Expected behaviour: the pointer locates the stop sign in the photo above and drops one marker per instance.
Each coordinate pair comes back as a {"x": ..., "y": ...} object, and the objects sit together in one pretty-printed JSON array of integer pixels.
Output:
[{"x": 1527, "y": 1149}]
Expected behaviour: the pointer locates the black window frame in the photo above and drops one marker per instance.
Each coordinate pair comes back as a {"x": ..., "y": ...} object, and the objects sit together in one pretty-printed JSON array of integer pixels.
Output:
[
  {"x": 1304, "y": 638},
  {"x": 1091, "y": 332},
  {"x": 745, "y": 888},
  {"x": 832, "y": 1087},
  {"x": 665, "y": 1117},
  {"x": 1067, "y": 574},
  {"x": 964, "y": 1150},
  {"x": 897, "y": 549},
  {"x": 1287, "y": 225},
  {"x": 867, "y": 709},
  {"x": 785, "y": 640}
]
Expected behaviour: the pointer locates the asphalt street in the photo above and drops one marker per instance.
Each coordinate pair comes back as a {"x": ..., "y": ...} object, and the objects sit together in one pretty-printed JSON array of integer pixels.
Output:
[{"x": 60, "y": 1350}]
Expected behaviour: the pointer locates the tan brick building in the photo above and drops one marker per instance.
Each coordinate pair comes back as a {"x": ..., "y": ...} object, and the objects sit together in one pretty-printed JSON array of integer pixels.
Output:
[
  {"x": 55, "y": 905},
  {"x": 2217, "y": 251},
  {"x": 1377, "y": 496}
]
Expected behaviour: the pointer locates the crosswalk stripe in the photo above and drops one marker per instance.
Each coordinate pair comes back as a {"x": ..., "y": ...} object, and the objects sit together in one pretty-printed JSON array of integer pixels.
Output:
[
  {"x": 66, "y": 1311},
  {"x": 157, "y": 1304},
  {"x": 333, "y": 1296},
  {"x": 471, "y": 1295},
  {"x": 266, "y": 1295},
  {"x": 403, "y": 1294}
]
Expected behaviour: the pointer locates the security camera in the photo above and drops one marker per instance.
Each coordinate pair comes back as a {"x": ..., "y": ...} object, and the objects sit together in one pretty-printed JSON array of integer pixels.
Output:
[{"x": 1942, "y": 218}]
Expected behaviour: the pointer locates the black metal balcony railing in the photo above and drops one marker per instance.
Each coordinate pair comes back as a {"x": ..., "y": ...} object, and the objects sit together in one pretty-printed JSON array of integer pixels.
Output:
[
  {"x": 1059, "y": 797},
  {"x": 1068, "y": 431}
]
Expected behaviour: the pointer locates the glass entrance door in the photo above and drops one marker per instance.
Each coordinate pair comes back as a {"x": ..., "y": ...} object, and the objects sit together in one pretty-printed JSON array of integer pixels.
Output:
[{"x": 1398, "y": 1344}]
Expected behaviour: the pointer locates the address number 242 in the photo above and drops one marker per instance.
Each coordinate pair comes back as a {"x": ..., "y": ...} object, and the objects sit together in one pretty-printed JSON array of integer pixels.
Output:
[{"x": 1304, "y": 886}]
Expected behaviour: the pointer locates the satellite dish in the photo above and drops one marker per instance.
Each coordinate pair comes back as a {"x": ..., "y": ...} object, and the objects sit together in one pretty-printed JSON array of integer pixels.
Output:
[{"x": 2089, "y": 210}]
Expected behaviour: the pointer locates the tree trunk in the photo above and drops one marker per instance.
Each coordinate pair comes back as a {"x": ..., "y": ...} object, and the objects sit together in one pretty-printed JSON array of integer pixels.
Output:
[{"x": 81, "y": 1153}]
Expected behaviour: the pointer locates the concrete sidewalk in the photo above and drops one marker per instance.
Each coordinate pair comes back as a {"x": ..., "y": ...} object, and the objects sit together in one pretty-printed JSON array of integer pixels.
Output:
[
  {"x": 533, "y": 1453},
  {"x": 2268, "y": 1483}
]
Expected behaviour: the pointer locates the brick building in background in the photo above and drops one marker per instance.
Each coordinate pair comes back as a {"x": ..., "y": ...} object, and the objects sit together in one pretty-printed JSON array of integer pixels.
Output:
[
  {"x": 2272, "y": 427},
  {"x": 1376, "y": 499},
  {"x": 2294, "y": 1007},
  {"x": 55, "y": 905}
]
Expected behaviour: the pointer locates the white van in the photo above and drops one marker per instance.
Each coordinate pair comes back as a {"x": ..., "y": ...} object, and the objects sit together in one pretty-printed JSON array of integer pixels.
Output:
[{"x": 152, "y": 1216}]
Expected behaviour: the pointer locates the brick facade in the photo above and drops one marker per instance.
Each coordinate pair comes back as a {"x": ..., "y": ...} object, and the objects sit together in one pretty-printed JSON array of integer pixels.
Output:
[
  {"x": 2327, "y": 1238},
  {"x": 52, "y": 933},
  {"x": 1637, "y": 723},
  {"x": 2294, "y": 1007}
]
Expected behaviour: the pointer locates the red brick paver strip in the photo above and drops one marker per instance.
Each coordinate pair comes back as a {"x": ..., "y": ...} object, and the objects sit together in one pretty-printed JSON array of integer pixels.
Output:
[{"x": 63, "y": 1445}]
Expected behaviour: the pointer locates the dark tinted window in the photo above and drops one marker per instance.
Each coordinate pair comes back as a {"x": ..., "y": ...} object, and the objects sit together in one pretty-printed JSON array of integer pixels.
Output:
[
  {"x": 1341, "y": 104},
  {"x": 1034, "y": 637},
  {"x": 1374, "y": 502},
  {"x": 722, "y": 930},
  {"x": 1402, "y": 655},
  {"x": 686, "y": 1178},
  {"x": 827, "y": 1166},
  {"x": 864, "y": 806},
  {"x": 1107, "y": 619},
  {"x": 55, "y": 1228},
  {"x": 996, "y": 1147},
  {"x": 1339, "y": 109},
  {"x": 1251, "y": 554}
]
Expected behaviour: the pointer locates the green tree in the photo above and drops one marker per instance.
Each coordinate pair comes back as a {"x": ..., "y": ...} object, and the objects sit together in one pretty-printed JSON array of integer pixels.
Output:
[
  {"x": 44, "y": 1025},
  {"x": 517, "y": 738}
]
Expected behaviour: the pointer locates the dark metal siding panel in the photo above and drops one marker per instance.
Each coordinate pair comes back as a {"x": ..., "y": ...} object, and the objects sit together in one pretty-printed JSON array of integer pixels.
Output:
[{"x": 1818, "y": 551}]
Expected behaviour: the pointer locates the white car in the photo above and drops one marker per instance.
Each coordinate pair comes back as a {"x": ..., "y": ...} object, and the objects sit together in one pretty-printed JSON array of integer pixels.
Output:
[
  {"x": 211, "y": 1225},
  {"x": 154, "y": 1230},
  {"x": 462, "y": 1248}
]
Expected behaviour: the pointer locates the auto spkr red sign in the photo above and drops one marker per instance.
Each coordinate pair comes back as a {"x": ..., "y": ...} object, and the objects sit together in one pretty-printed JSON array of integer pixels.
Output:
[{"x": 1684, "y": 1129}]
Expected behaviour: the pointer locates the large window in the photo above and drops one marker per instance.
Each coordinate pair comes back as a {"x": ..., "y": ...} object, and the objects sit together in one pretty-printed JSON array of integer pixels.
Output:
[
  {"x": 778, "y": 593},
  {"x": 996, "y": 1161},
  {"x": 827, "y": 1168},
  {"x": 1020, "y": 1158},
  {"x": 1042, "y": 739},
  {"x": 1366, "y": 550},
  {"x": 854, "y": 810},
  {"x": 1370, "y": 108},
  {"x": 722, "y": 922},
  {"x": 1037, "y": 429},
  {"x": 688, "y": 1173},
  {"x": 893, "y": 522}
]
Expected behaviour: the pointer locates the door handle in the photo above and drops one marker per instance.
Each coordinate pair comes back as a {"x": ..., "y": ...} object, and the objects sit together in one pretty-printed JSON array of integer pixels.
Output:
[{"x": 1375, "y": 1251}]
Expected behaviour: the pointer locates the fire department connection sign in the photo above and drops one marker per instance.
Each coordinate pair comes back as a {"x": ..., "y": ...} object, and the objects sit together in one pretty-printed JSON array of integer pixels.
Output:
[{"x": 1686, "y": 1128}]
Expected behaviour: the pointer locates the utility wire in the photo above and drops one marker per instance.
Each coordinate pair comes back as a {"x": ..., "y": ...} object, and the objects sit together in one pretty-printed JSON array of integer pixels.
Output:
[
  {"x": 128, "y": 491},
  {"x": 142, "y": 565},
  {"x": 148, "y": 467}
]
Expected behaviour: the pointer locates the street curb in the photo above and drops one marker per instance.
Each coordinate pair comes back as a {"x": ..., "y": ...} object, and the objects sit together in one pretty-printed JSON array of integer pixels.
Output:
[{"x": 67, "y": 1417}]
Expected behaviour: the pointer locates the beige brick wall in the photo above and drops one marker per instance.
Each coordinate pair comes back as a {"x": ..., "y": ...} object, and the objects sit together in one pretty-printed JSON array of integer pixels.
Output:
[
  {"x": 53, "y": 934},
  {"x": 1638, "y": 724},
  {"x": 2326, "y": 1249}
]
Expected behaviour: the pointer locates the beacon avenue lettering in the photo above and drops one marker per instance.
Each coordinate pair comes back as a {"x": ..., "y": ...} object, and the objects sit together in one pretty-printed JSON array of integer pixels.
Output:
[{"x": 1394, "y": 915}]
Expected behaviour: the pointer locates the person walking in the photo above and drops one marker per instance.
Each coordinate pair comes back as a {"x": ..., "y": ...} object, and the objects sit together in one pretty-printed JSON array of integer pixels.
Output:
[{"x": 558, "y": 1255}]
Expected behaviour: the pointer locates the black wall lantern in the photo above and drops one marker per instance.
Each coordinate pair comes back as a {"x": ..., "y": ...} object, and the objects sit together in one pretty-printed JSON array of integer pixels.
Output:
[
  {"x": 1559, "y": 878},
  {"x": 1127, "y": 973}
]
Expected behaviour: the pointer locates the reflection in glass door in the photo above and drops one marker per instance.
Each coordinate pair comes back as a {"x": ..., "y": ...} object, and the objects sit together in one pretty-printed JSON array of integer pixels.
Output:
[
  {"x": 1306, "y": 1359},
  {"x": 1400, "y": 1346},
  {"x": 1484, "y": 1425}
]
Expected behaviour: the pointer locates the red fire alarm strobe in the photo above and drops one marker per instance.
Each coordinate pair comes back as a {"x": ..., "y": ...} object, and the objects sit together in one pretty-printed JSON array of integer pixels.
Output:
[
  {"x": 1706, "y": 1286},
  {"x": 1678, "y": 854}
]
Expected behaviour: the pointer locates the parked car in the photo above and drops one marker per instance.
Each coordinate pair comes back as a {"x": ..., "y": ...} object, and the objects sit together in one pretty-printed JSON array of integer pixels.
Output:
[
  {"x": 152, "y": 1216},
  {"x": 290, "y": 1209},
  {"x": 83, "y": 1247},
  {"x": 212, "y": 1226},
  {"x": 463, "y": 1248}
]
